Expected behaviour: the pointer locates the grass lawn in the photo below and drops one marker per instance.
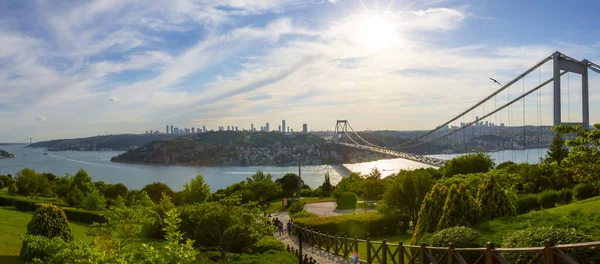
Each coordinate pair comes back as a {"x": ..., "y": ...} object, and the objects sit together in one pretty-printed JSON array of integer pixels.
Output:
[{"x": 13, "y": 224}]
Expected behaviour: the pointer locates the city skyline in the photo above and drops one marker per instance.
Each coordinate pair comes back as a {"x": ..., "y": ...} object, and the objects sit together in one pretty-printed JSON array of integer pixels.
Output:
[{"x": 87, "y": 68}]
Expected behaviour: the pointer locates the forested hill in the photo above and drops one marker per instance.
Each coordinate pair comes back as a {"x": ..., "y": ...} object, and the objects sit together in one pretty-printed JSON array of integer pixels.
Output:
[
  {"x": 244, "y": 148},
  {"x": 108, "y": 142},
  {"x": 4, "y": 154}
]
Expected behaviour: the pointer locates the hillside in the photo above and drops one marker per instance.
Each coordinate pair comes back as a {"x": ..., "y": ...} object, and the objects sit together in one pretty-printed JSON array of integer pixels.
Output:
[
  {"x": 244, "y": 148},
  {"x": 4, "y": 154},
  {"x": 108, "y": 142}
]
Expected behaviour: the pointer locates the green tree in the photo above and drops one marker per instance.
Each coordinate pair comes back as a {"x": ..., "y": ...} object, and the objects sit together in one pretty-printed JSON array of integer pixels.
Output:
[
  {"x": 155, "y": 190},
  {"x": 493, "y": 200},
  {"x": 557, "y": 151},
  {"x": 289, "y": 183},
  {"x": 62, "y": 185},
  {"x": 81, "y": 180},
  {"x": 50, "y": 221},
  {"x": 113, "y": 191},
  {"x": 373, "y": 186},
  {"x": 13, "y": 190},
  {"x": 75, "y": 197},
  {"x": 430, "y": 211},
  {"x": 30, "y": 183},
  {"x": 405, "y": 192},
  {"x": 263, "y": 187},
  {"x": 326, "y": 187},
  {"x": 196, "y": 191},
  {"x": 460, "y": 209},
  {"x": 471, "y": 163},
  {"x": 583, "y": 160},
  {"x": 94, "y": 201},
  {"x": 353, "y": 183}
]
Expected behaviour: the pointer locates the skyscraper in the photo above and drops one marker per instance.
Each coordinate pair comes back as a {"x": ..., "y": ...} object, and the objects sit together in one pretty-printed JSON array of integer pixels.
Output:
[
  {"x": 227, "y": 128},
  {"x": 267, "y": 127},
  {"x": 171, "y": 129},
  {"x": 283, "y": 126},
  {"x": 203, "y": 128},
  {"x": 279, "y": 128},
  {"x": 304, "y": 128},
  {"x": 167, "y": 129},
  {"x": 251, "y": 127},
  {"x": 193, "y": 130}
]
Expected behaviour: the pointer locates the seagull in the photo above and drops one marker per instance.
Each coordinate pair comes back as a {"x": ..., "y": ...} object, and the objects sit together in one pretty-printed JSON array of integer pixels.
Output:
[{"x": 494, "y": 80}]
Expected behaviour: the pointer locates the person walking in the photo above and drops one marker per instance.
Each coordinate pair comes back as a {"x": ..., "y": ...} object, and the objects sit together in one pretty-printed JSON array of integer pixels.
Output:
[
  {"x": 276, "y": 223},
  {"x": 289, "y": 227},
  {"x": 280, "y": 227}
]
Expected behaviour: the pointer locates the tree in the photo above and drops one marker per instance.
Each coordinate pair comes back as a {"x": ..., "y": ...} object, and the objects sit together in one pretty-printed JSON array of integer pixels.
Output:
[
  {"x": 430, "y": 212},
  {"x": 557, "y": 151},
  {"x": 373, "y": 186},
  {"x": 7, "y": 181},
  {"x": 353, "y": 183},
  {"x": 460, "y": 209},
  {"x": 326, "y": 187},
  {"x": 471, "y": 163},
  {"x": 263, "y": 187},
  {"x": 75, "y": 197},
  {"x": 196, "y": 191},
  {"x": 30, "y": 183},
  {"x": 13, "y": 190},
  {"x": 94, "y": 201},
  {"x": 50, "y": 221},
  {"x": 62, "y": 185},
  {"x": 583, "y": 160},
  {"x": 113, "y": 191},
  {"x": 289, "y": 184},
  {"x": 493, "y": 200},
  {"x": 155, "y": 190},
  {"x": 81, "y": 180},
  {"x": 405, "y": 192}
]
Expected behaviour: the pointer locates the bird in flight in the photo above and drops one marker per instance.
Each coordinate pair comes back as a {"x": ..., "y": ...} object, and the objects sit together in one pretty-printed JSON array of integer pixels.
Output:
[{"x": 494, "y": 80}]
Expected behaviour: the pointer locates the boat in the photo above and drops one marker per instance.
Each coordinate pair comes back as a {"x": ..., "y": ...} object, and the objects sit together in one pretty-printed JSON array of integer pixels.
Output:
[{"x": 45, "y": 153}]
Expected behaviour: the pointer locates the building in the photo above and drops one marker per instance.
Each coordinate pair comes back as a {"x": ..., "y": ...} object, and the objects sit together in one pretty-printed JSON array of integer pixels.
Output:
[
  {"x": 167, "y": 129},
  {"x": 193, "y": 130},
  {"x": 304, "y": 128},
  {"x": 236, "y": 128},
  {"x": 267, "y": 127},
  {"x": 203, "y": 128},
  {"x": 288, "y": 129},
  {"x": 283, "y": 126},
  {"x": 251, "y": 127},
  {"x": 171, "y": 129}
]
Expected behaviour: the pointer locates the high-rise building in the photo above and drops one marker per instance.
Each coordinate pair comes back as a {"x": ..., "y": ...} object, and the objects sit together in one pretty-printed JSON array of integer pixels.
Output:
[
  {"x": 279, "y": 128},
  {"x": 203, "y": 128},
  {"x": 304, "y": 128},
  {"x": 171, "y": 129},
  {"x": 227, "y": 128},
  {"x": 267, "y": 127},
  {"x": 193, "y": 130},
  {"x": 167, "y": 129},
  {"x": 283, "y": 126},
  {"x": 251, "y": 127},
  {"x": 288, "y": 130},
  {"x": 236, "y": 128}
]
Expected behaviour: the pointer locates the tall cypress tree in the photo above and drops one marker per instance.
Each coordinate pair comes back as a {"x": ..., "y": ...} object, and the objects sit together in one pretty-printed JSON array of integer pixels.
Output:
[
  {"x": 460, "y": 208},
  {"x": 493, "y": 200},
  {"x": 430, "y": 212},
  {"x": 557, "y": 151}
]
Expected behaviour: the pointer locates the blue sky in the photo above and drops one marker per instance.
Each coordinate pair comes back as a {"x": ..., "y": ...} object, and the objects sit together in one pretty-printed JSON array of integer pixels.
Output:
[{"x": 80, "y": 68}]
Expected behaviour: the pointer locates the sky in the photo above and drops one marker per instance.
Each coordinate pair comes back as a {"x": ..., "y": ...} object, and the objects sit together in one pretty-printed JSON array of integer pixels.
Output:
[{"x": 83, "y": 68}]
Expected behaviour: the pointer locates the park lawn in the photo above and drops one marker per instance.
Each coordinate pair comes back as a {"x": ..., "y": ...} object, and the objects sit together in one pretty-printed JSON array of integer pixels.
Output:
[{"x": 13, "y": 224}]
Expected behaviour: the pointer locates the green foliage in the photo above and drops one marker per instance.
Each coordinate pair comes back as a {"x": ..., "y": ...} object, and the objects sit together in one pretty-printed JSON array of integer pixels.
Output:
[
  {"x": 113, "y": 191},
  {"x": 535, "y": 237},
  {"x": 346, "y": 200},
  {"x": 351, "y": 225},
  {"x": 7, "y": 181},
  {"x": 1, "y": 185},
  {"x": 13, "y": 190},
  {"x": 461, "y": 237},
  {"x": 196, "y": 191},
  {"x": 297, "y": 206},
  {"x": 306, "y": 192},
  {"x": 430, "y": 212},
  {"x": 30, "y": 183},
  {"x": 505, "y": 179},
  {"x": 405, "y": 192},
  {"x": 549, "y": 198},
  {"x": 493, "y": 200},
  {"x": 83, "y": 216},
  {"x": 40, "y": 247},
  {"x": 155, "y": 228},
  {"x": 25, "y": 205},
  {"x": 471, "y": 163},
  {"x": 505, "y": 165},
  {"x": 583, "y": 160},
  {"x": 94, "y": 201},
  {"x": 155, "y": 190},
  {"x": 373, "y": 185},
  {"x": 303, "y": 214},
  {"x": 460, "y": 209},
  {"x": 269, "y": 257},
  {"x": 584, "y": 191},
  {"x": 353, "y": 183},
  {"x": 557, "y": 151},
  {"x": 81, "y": 180},
  {"x": 567, "y": 196},
  {"x": 289, "y": 184},
  {"x": 263, "y": 188},
  {"x": 527, "y": 203},
  {"x": 326, "y": 187},
  {"x": 75, "y": 197},
  {"x": 50, "y": 221},
  {"x": 62, "y": 186},
  {"x": 267, "y": 243}
]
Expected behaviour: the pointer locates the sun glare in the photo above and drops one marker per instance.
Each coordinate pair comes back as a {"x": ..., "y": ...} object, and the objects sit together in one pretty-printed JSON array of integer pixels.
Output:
[{"x": 374, "y": 32}]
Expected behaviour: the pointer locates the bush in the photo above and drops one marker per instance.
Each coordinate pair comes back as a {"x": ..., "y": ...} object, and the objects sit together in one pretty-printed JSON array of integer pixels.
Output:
[
  {"x": 317, "y": 192},
  {"x": 40, "y": 247},
  {"x": 75, "y": 197},
  {"x": 567, "y": 195},
  {"x": 493, "y": 200},
  {"x": 13, "y": 190},
  {"x": 25, "y": 205},
  {"x": 460, "y": 209},
  {"x": 352, "y": 225},
  {"x": 267, "y": 243},
  {"x": 534, "y": 237},
  {"x": 82, "y": 216},
  {"x": 297, "y": 206},
  {"x": 549, "y": 198},
  {"x": 7, "y": 181},
  {"x": 430, "y": 212},
  {"x": 6, "y": 201},
  {"x": 50, "y": 221},
  {"x": 306, "y": 193},
  {"x": 584, "y": 191},
  {"x": 156, "y": 189},
  {"x": 1, "y": 185},
  {"x": 346, "y": 200},
  {"x": 303, "y": 214},
  {"x": 527, "y": 203},
  {"x": 113, "y": 191},
  {"x": 461, "y": 237},
  {"x": 94, "y": 201}
]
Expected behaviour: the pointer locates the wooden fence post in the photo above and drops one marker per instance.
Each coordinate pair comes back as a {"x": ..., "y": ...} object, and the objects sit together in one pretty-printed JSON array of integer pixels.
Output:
[
  {"x": 450, "y": 253},
  {"x": 422, "y": 252},
  {"x": 384, "y": 252},
  {"x": 547, "y": 255},
  {"x": 489, "y": 253},
  {"x": 369, "y": 260},
  {"x": 401, "y": 252},
  {"x": 356, "y": 244}
]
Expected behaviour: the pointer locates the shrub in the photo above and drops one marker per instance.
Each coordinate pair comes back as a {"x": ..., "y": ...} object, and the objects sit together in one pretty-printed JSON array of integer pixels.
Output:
[
  {"x": 267, "y": 243},
  {"x": 25, "y": 205},
  {"x": 113, "y": 191},
  {"x": 465, "y": 164},
  {"x": 303, "y": 214},
  {"x": 567, "y": 195},
  {"x": 40, "y": 247},
  {"x": 549, "y": 198},
  {"x": 346, "y": 200},
  {"x": 431, "y": 211},
  {"x": 535, "y": 236},
  {"x": 13, "y": 190},
  {"x": 156, "y": 189},
  {"x": 527, "y": 203},
  {"x": 317, "y": 192},
  {"x": 83, "y": 216},
  {"x": 7, "y": 181},
  {"x": 50, "y": 221},
  {"x": 75, "y": 197},
  {"x": 493, "y": 201},
  {"x": 94, "y": 201},
  {"x": 584, "y": 191},
  {"x": 351, "y": 225},
  {"x": 306, "y": 193},
  {"x": 6, "y": 201},
  {"x": 460, "y": 209},
  {"x": 297, "y": 206},
  {"x": 461, "y": 237},
  {"x": 1, "y": 185}
]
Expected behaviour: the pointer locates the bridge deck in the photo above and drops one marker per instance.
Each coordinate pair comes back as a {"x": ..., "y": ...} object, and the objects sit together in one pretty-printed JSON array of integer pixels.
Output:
[{"x": 418, "y": 158}]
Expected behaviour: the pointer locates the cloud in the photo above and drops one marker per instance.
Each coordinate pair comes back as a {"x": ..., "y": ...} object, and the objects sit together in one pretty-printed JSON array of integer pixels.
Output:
[
  {"x": 41, "y": 118},
  {"x": 113, "y": 99},
  {"x": 332, "y": 1}
]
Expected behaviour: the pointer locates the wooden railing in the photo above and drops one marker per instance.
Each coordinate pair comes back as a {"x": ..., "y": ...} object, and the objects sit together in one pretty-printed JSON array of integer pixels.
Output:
[{"x": 383, "y": 252}]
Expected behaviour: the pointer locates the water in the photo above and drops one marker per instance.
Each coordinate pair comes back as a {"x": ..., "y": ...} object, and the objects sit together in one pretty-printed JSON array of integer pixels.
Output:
[{"x": 134, "y": 176}]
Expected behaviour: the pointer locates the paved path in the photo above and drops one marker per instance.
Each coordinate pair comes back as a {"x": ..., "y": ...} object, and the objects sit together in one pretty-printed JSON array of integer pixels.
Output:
[{"x": 328, "y": 209}]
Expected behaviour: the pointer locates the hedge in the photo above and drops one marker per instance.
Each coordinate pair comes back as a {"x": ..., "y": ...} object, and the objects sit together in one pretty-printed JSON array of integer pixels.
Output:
[
  {"x": 73, "y": 215},
  {"x": 549, "y": 198},
  {"x": 527, "y": 203},
  {"x": 361, "y": 225},
  {"x": 584, "y": 191},
  {"x": 346, "y": 200}
]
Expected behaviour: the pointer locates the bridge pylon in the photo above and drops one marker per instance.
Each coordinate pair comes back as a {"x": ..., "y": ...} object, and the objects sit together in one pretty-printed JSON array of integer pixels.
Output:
[
  {"x": 565, "y": 63},
  {"x": 341, "y": 128}
]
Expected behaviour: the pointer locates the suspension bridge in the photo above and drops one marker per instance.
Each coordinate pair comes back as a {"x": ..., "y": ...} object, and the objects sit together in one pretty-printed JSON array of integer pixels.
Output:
[{"x": 472, "y": 132}]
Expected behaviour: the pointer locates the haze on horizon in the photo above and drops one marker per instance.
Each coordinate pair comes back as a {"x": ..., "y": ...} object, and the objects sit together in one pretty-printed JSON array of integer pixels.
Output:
[{"x": 75, "y": 68}]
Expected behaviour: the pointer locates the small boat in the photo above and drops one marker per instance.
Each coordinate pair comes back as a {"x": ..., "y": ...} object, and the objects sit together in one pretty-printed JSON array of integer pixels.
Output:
[{"x": 45, "y": 153}]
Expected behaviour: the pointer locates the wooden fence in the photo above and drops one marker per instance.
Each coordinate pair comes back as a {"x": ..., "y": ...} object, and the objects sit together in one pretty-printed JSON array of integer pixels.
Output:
[{"x": 383, "y": 252}]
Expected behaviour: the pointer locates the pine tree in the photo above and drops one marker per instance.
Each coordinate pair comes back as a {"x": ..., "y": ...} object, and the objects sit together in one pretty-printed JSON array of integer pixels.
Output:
[
  {"x": 431, "y": 211},
  {"x": 493, "y": 200},
  {"x": 460, "y": 208},
  {"x": 557, "y": 150},
  {"x": 326, "y": 187}
]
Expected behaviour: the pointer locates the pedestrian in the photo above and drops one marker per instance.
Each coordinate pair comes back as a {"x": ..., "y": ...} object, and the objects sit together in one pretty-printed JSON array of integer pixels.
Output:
[
  {"x": 276, "y": 223},
  {"x": 289, "y": 227},
  {"x": 280, "y": 227}
]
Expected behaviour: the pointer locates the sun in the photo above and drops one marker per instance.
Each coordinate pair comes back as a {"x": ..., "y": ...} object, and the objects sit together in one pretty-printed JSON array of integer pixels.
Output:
[{"x": 374, "y": 32}]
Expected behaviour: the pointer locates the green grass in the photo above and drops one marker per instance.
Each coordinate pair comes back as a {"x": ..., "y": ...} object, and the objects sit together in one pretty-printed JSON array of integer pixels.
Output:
[{"x": 13, "y": 224}]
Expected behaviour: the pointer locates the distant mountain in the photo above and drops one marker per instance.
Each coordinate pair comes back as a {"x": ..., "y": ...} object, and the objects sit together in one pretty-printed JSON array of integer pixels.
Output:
[
  {"x": 108, "y": 142},
  {"x": 244, "y": 148}
]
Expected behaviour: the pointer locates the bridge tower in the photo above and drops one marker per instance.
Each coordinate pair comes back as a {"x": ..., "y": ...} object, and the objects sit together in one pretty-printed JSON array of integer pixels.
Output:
[
  {"x": 341, "y": 128},
  {"x": 564, "y": 63}
]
